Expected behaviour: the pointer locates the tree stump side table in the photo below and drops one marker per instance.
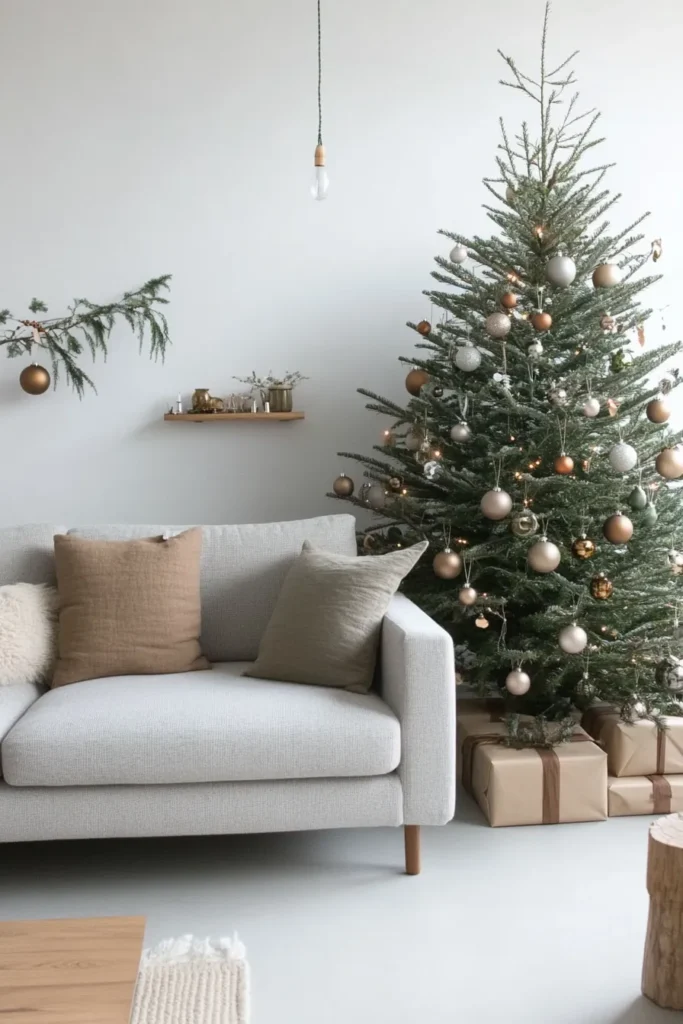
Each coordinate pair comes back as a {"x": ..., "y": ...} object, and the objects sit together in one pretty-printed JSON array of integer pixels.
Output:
[{"x": 663, "y": 960}]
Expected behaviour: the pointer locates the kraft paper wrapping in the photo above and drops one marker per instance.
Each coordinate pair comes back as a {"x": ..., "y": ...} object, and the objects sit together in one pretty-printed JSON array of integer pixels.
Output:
[
  {"x": 476, "y": 719},
  {"x": 534, "y": 786},
  {"x": 638, "y": 748},
  {"x": 644, "y": 794}
]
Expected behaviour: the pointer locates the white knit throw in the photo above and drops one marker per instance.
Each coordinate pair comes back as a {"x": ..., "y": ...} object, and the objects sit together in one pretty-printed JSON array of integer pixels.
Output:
[{"x": 193, "y": 981}]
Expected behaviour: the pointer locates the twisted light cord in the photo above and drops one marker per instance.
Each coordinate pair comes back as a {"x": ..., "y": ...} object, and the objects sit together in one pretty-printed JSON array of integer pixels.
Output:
[{"x": 320, "y": 79}]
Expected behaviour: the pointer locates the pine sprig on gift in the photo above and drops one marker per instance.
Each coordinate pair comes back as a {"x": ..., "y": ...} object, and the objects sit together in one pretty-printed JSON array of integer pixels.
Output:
[{"x": 89, "y": 325}]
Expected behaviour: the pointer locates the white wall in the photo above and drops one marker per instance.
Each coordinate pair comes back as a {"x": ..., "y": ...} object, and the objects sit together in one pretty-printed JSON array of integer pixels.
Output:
[{"x": 148, "y": 136}]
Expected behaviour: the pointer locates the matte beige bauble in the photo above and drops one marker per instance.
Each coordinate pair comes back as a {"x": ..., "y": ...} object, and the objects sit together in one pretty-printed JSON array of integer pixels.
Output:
[
  {"x": 447, "y": 564},
  {"x": 496, "y": 504},
  {"x": 669, "y": 463},
  {"x": 606, "y": 275},
  {"x": 517, "y": 682},
  {"x": 544, "y": 556},
  {"x": 467, "y": 596},
  {"x": 618, "y": 529},
  {"x": 658, "y": 410},
  {"x": 343, "y": 486}
]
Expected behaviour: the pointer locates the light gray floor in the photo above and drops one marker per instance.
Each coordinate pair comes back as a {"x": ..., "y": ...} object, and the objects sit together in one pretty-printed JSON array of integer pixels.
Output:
[{"x": 529, "y": 925}]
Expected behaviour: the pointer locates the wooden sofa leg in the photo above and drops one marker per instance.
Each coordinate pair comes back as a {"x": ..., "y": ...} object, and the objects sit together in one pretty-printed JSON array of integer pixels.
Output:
[{"x": 412, "y": 840}]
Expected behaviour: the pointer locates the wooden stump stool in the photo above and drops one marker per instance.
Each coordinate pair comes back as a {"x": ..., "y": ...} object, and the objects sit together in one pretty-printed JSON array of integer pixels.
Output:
[{"x": 663, "y": 960}]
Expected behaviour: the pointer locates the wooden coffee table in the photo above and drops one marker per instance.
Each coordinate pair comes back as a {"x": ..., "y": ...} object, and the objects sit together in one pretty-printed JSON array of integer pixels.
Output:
[{"x": 80, "y": 971}]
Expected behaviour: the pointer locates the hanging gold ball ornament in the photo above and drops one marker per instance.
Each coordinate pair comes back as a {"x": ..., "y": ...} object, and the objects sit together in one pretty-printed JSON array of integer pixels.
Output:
[
  {"x": 496, "y": 504},
  {"x": 658, "y": 410},
  {"x": 669, "y": 463},
  {"x": 583, "y": 548},
  {"x": 509, "y": 300},
  {"x": 343, "y": 486},
  {"x": 601, "y": 587},
  {"x": 606, "y": 275},
  {"x": 34, "y": 379},
  {"x": 544, "y": 556},
  {"x": 563, "y": 464},
  {"x": 541, "y": 321},
  {"x": 517, "y": 682},
  {"x": 447, "y": 564},
  {"x": 467, "y": 596},
  {"x": 416, "y": 380},
  {"x": 618, "y": 529},
  {"x": 424, "y": 327},
  {"x": 497, "y": 325}
]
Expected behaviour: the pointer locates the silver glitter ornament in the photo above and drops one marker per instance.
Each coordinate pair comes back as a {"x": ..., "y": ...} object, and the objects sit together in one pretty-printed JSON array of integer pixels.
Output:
[
  {"x": 467, "y": 358},
  {"x": 497, "y": 325},
  {"x": 670, "y": 673},
  {"x": 461, "y": 432},
  {"x": 561, "y": 271},
  {"x": 524, "y": 524},
  {"x": 432, "y": 470},
  {"x": 622, "y": 457}
]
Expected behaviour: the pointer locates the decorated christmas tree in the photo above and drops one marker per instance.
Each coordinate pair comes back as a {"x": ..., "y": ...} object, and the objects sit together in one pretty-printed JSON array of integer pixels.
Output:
[{"x": 535, "y": 453}]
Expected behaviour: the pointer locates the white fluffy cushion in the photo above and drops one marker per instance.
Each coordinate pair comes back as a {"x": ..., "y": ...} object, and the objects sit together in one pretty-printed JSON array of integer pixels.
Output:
[{"x": 28, "y": 629}]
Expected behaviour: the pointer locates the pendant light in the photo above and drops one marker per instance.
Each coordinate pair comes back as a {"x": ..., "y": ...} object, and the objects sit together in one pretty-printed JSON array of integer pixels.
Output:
[{"x": 321, "y": 182}]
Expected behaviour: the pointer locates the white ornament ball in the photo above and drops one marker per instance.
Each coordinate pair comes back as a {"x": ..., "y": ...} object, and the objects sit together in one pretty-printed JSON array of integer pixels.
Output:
[
  {"x": 468, "y": 358},
  {"x": 535, "y": 350},
  {"x": 606, "y": 275},
  {"x": 591, "y": 407},
  {"x": 375, "y": 496},
  {"x": 573, "y": 639},
  {"x": 544, "y": 556},
  {"x": 413, "y": 440},
  {"x": 497, "y": 325},
  {"x": 561, "y": 270},
  {"x": 458, "y": 254},
  {"x": 623, "y": 457},
  {"x": 517, "y": 682},
  {"x": 496, "y": 504},
  {"x": 461, "y": 432}
]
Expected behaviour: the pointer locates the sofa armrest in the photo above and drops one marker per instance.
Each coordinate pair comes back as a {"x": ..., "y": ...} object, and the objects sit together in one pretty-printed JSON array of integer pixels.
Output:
[
  {"x": 418, "y": 684},
  {"x": 15, "y": 700}
]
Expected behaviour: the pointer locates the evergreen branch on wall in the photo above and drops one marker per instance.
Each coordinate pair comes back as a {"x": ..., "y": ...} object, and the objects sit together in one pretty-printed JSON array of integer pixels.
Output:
[{"x": 89, "y": 324}]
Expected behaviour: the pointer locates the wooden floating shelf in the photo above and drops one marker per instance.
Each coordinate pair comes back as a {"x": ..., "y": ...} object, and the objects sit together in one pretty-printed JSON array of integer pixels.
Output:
[{"x": 224, "y": 417}]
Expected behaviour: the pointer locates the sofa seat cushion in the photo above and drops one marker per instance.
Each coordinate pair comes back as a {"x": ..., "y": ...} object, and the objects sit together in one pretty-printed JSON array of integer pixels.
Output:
[
  {"x": 198, "y": 727},
  {"x": 15, "y": 700}
]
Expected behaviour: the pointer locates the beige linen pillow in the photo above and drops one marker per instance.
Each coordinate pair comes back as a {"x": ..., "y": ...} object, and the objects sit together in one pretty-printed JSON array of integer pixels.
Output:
[
  {"x": 326, "y": 624},
  {"x": 128, "y": 607}
]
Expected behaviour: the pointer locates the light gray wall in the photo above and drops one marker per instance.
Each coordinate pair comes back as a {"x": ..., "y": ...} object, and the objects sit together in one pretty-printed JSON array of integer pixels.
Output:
[{"x": 145, "y": 136}]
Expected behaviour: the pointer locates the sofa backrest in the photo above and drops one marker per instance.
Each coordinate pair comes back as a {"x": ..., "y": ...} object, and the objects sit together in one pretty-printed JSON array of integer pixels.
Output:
[
  {"x": 27, "y": 553},
  {"x": 242, "y": 571}
]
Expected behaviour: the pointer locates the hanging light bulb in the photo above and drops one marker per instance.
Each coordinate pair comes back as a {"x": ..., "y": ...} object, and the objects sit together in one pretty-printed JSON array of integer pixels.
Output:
[{"x": 321, "y": 182}]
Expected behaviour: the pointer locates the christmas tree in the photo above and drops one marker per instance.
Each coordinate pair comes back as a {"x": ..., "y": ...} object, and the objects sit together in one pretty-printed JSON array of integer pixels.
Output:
[{"x": 535, "y": 454}]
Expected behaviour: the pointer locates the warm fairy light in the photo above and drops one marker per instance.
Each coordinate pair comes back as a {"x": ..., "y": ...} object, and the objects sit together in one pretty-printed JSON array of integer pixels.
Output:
[
  {"x": 577, "y": 351},
  {"x": 404, "y": 491},
  {"x": 653, "y": 486},
  {"x": 532, "y": 465},
  {"x": 518, "y": 476},
  {"x": 538, "y": 231},
  {"x": 603, "y": 629},
  {"x": 512, "y": 437},
  {"x": 513, "y": 278},
  {"x": 387, "y": 433},
  {"x": 526, "y": 503},
  {"x": 436, "y": 453}
]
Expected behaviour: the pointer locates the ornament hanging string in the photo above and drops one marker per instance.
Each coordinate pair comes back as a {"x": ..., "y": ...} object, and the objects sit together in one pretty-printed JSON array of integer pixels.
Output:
[
  {"x": 562, "y": 428},
  {"x": 497, "y": 472},
  {"x": 320, "y": 81}
]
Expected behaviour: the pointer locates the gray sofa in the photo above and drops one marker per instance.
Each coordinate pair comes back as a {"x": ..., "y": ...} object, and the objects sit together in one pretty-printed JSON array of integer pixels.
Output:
[{"x": 214, "y": 752}]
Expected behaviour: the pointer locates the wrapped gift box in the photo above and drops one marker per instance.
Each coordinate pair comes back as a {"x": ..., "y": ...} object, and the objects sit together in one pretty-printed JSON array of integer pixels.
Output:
[
  {"x": 636, "y": 748},
  {"x": 532, "y": 785},
  {"x": 644, "y": 794},
  {"x": 476, "y": 718}
]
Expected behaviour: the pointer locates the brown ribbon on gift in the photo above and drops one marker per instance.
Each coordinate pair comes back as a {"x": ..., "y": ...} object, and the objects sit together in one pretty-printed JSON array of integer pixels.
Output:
[
  {"x": 550, "y": 763},
  {"x": 661, "y": 756},
  {"x": 661, "y": 792}
]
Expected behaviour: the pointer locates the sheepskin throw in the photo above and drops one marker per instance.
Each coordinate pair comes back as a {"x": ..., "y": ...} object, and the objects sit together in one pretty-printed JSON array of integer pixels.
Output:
[{"x": 28, "y": 627}]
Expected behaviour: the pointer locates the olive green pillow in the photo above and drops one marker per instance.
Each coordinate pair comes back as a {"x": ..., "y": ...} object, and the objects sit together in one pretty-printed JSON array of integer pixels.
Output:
[{"x": 326, "y": 624}]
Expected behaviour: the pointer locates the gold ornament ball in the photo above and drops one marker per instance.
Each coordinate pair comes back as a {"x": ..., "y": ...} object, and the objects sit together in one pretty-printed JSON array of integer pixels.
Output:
[
  {"x": 34, "y": 379},
  {"x": 583, "y": 548},
  {"x": 601, "y": 587},
  {"x": 658, "y": 410},
  {"x": 447, "y": 564},
  {"x": 467, "y": 596},
  {"x": 416, "y": 380},
  {"x": 541, "y": 321},
  {"x": 424, "y": 327},
  {"x": 509, "y": 300},
  {"x": 606, "y": 275},
  {"x": 343, "y": 486},
  {"x": 618, "y": 529},
  {"x": 481, "y": 622},
  {"x": 563, "y": 464},
  {"x": 669, "y": 463}
]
